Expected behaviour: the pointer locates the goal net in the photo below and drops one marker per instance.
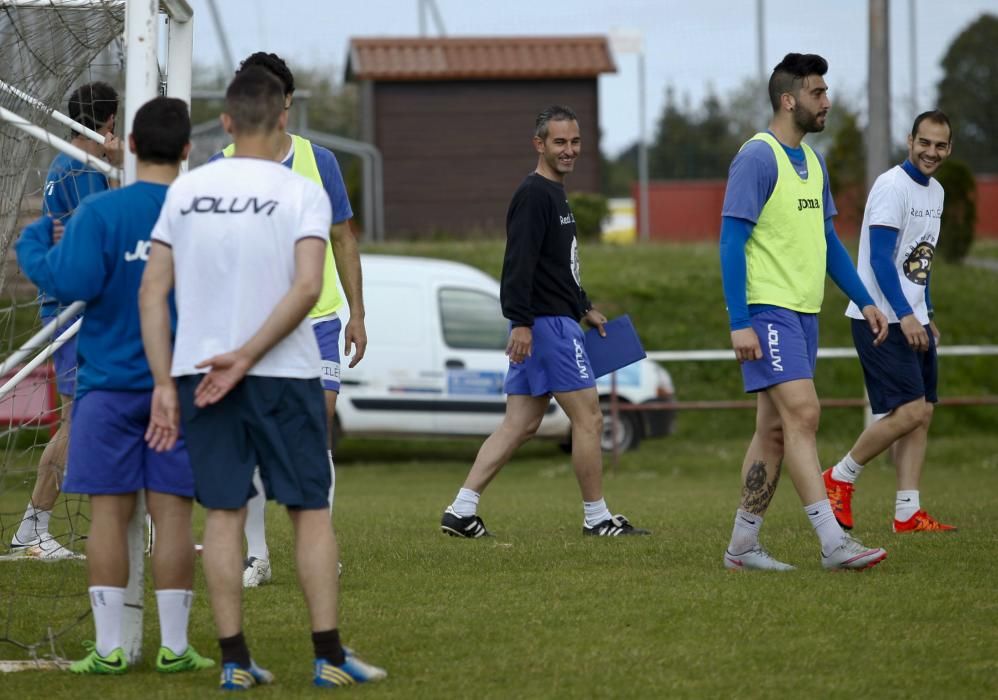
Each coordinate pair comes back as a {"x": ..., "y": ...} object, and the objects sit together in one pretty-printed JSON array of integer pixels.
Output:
[{"x": 48, "y": 48}]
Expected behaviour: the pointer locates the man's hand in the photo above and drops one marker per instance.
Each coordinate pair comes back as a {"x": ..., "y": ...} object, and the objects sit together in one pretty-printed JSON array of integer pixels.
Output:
[
  {"x": 936, "y": 335},
  {"x": 914, "y": 333},
  {"x": 114, "y": 150},
  {"x": 355, "y": 334},
  {"x": 164, "y": 418},
  {"x": 597, "y": 320},
  {"x": 58, "y": 228},
  {"x": 878, "y": 323},
  {"x": 746, "y": 345},
  {"x": 518, "y": 348},
  {"x": 227, "y": 370}
]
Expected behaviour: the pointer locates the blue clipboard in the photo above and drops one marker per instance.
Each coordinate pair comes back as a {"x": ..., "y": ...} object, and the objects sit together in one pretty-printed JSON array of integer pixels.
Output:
[{"x": 620, "y": 347}]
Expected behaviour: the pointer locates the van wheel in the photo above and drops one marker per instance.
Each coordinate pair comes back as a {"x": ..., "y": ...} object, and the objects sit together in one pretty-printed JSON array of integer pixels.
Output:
[{"x": 627, "y": 428}]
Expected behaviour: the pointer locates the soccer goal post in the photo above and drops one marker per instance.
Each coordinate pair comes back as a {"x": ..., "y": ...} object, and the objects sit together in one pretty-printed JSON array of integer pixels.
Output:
[{"x": 47, "y": 48}]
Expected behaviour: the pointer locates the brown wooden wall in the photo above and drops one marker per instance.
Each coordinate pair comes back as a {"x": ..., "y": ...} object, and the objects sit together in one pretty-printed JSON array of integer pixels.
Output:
[{"x": 455, "y": 151}]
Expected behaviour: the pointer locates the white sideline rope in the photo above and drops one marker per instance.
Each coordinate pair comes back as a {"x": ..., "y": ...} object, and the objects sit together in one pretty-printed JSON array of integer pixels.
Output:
[
  {"x": 54, "y": 113},
  {"x": 823, "y": 353},
  {"x": 41, "y": 337},
  {"x": 40, "y": 358}
]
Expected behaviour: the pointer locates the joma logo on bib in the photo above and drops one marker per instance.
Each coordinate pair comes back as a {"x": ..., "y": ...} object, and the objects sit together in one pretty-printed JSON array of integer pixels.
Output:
[
  {"x": 808, "y": 203},
  {"x": 231, "y": 205}
]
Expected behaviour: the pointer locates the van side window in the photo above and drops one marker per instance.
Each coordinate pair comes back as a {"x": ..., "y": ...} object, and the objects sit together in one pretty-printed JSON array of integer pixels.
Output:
[{"x": 472, "y": 320}]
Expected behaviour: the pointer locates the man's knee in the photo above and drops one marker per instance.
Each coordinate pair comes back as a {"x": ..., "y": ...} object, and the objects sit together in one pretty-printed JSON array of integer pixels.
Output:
[
  {"x": 590, "y": 421},
  {"x": 225, "y": 521},
  {"x": 915, "y": 414},
  {"x": 520, "y": 428},
  {"x": 803, "y": 417}
]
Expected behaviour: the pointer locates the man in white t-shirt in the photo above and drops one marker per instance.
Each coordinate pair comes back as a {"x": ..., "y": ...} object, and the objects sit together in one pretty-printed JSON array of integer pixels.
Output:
[
  {"x": 243, "y": 241},
  {"x": 896, "y": 247}
]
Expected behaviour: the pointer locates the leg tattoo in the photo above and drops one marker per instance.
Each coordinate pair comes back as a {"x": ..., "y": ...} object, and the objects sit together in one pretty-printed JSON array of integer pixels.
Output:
[{"x": 758, "y": 489}]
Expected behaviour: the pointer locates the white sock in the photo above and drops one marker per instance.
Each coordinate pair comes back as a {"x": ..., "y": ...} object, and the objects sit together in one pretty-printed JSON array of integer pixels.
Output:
[
  {"x": 466, "y": 503},
  {"x": 596, "y": 512},
  {"x": 332, "y": 481},
  {"x": 108, "y": 604},
  {"x": 174, "y": 606},
  {"x": 255, "y": 529},
  {"x": 906, "y": 505},
  {"x": 34, "y": 525},
  {"x": 847, "y": 470},
  {"x": 824, "y": 524},
  {"x": 745, "y": 534}
]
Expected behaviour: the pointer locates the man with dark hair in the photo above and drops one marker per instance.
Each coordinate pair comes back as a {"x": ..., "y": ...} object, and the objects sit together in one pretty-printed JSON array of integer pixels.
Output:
[
  {"x": 543, "y": 298},
  {"x": 896, "y": 247},
  {"x": 100, "y": 261},
  {"x": 777, "y": 242},
  {"x": 242, "y": 239},
  {"x": 343, "y": 262},
  {"x": 68, "y": 182}
]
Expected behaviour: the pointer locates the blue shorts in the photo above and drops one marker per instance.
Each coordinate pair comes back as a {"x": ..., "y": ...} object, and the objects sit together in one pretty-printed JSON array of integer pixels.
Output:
[
  {"x": 894, "y": 373},
  {"x": 558, "y": 361},
  {"x": 64, "y": 358},
  {"x": 108, "y": 453},
  {"x": 789, "y": 343},
  {"x": 277, "y": 423},
  {"x": 327, "y": 333}
]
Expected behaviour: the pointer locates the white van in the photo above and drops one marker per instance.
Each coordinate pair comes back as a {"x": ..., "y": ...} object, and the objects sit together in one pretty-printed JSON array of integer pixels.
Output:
[{"x": 436, "y": 362}]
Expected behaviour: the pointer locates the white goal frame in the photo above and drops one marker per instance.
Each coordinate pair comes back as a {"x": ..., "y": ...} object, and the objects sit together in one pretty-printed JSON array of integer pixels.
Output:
[{"x": 142, "y": 83}]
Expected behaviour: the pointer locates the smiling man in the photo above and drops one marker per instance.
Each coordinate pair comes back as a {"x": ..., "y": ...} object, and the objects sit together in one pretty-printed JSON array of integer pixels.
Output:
[
  {"x": 542, "y": 296},
  {"x": 896, "y": 247},
  {"x": 777, "y": 242}
]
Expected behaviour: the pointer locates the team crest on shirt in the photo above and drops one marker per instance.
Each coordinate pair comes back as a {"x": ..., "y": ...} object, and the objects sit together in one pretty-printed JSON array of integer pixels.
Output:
[
  {"x": 576, "y": 264},
  {"x": 918, "y": 264}
]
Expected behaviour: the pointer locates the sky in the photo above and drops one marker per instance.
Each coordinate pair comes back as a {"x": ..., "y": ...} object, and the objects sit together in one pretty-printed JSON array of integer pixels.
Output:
[{"x": 692, "y": 47}]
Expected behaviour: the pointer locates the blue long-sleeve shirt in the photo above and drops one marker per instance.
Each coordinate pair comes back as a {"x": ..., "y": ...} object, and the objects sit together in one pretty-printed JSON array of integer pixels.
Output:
[
  {"x": 100, "y": 261},
  {"x": 68, "y": 182},
  {"x": 883, "y": 239}
]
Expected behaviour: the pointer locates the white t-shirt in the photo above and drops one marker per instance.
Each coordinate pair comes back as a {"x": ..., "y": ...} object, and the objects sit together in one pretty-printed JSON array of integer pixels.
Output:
[
  {"x": 899, "y": 202},
  {"x": 233, "y": 225}
]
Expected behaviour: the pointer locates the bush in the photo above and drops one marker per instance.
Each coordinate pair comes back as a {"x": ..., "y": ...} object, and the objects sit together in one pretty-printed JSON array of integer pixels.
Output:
[
  {"x": 590, "y": 210},
  {"x": 956, "y": 230}
]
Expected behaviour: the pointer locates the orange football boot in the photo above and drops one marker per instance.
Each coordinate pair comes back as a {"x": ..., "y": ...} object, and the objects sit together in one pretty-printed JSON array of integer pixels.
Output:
[
  {"x": 840, "y": 496},
  {"x": 921, "y": 522}
]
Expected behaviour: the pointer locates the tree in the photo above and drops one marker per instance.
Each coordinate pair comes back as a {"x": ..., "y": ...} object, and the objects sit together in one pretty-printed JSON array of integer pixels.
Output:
[
  {"x": 619, "y": 173},
  {"x": 692, "y": 144},
  {"x": 968, "y": 93},
  {"x": 331, "y": 106},
  {"x": 956, "y": 230},
  {"x": 846, "y": 161},
  {"x": 749, "y": 108}
]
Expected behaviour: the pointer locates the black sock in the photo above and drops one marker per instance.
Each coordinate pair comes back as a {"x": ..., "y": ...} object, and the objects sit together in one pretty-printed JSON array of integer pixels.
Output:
[
  {"x": 234, "y": 650},
  {"x": 327, "y": 646}
]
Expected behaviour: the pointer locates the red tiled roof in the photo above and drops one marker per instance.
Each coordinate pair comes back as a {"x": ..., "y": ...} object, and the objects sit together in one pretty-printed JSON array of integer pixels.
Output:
[{"x": 478, "y": 58}]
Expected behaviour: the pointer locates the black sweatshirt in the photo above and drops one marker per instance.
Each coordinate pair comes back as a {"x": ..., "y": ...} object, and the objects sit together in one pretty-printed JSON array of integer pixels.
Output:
[{"x": 540, "y": 271}]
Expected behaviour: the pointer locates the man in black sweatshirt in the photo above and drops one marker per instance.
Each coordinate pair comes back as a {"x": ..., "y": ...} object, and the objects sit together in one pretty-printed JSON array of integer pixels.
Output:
[{"x": 543, "y": 299}]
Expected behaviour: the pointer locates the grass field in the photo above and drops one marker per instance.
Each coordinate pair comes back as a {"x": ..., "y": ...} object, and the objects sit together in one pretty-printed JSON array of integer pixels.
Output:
[{"x": 538, "y": 612}]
